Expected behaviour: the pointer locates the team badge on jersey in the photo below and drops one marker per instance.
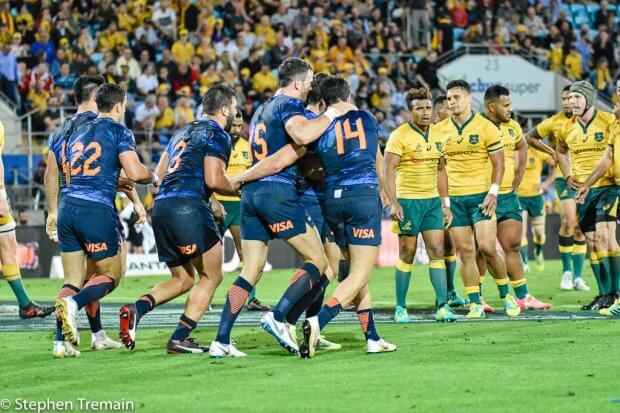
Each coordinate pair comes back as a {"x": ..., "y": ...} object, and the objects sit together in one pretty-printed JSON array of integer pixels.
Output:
[
  {"x": 439, "y": 146},
  {"x": 511, "y": 132},
  {"x": 598, "y": 136},
  {"x": 474, "y": 139},
  {"x": 246, "y": 155}
]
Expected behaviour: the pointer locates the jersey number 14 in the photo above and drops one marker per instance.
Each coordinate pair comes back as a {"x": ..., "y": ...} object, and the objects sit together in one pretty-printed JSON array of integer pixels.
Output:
[{"x": 344, "y": 133}]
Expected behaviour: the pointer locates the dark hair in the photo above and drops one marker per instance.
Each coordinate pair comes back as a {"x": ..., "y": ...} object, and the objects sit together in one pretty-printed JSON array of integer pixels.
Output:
[
  {"x": 216, "y": 98},
  {"x": 108, "y": 95},
  {"x": 84, "y": 87},
  {"x": 567, "y": 88},
  {"x": 314, "y": 96},
  {"x": 239, "y": 114},
  {"x": 292, "y": 69},
  {"x": 494, "y": 92},
  {"x": 439, "y": 100},
  {"x": 453, "y": 84},
  {"x": 420, "y": 93},
  {"x": 334, "y": 89}
]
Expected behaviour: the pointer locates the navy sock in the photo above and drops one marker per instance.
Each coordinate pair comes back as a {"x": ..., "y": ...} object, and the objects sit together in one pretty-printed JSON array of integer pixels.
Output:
[
  {"x": 367, "y": 322},
  {"x": 302, "y": 282},
  {"x": 145, "y": 304},
  {"x": 184, "y": 328},
  {"x": 96, "y": 288},
  {"x": 308, "y": 303},
  {"x": 316, "y": 305},
  {"x": 343, "y": 270},
  {"x": 67, "y": 290},
  {"x": 235, "y": 298},
  {"x": 329, "y": 311},
  {"x": 93, "y": 312}
]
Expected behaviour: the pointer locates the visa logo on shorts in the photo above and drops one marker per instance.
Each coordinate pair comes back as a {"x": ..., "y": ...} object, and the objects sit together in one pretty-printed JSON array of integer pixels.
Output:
[
  {"x": 281, "y": 226},
  {"x": 363, "y": 233},
  {"x": 96, "y": 247},
  {"x": 187, "y": 249}
]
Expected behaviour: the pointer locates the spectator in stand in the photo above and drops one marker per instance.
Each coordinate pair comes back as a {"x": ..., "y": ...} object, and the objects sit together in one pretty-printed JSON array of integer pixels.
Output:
[
  {"x": 601, "y": 78},
  {"x": 573, "y": 64},
  {"x": 127, "y": 59},
  {"x": 264, "y": 80},
  {"x": 556, "y": 56},
  {"x": 164, "y": 122},
  {"x": 165, "y": 21},
  {"x": 418, "y": 18},
  {"x": 147, "y": 113},
  {"x": 183, "y": 113},
  {"x": 182, "y": 50},
  {"x": 147, "y": 82},
  {"x": 459, "y": 14},
  {"x": 51, "y": 117},
  {"x": 603, "y": 47},
  {"x": 22, "y": 217},
  {"x": 8, "y": 73}
]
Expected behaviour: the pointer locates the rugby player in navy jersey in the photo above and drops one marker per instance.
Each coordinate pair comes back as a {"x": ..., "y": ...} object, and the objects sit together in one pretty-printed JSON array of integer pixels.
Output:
[
  {"x": 84, "y": 93},
  {"x": 350, "y": 156},
  {"x": 271, "y": 207},
  {"x": 88, "y": 224},
  {"x": 188, "y": 239}
]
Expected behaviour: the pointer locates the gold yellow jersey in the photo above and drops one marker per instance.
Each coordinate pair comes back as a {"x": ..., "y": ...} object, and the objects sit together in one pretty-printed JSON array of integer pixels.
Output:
[
  {"x": 467, "y": 149},
  {"x": 512, "y": 134},
  {"x": 614, "y": 142},
  {"x": 586, "y": 145},
  {"x": 552, "y": 128},
  {"x": 530, "y": 185},
  {"x": 239, "y": 161},
  {"x": 416, "y": 173}
]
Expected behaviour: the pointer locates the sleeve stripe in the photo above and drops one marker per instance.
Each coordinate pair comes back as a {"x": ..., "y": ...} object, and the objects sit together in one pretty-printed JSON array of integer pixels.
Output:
[{"x": 501, "y": 149}]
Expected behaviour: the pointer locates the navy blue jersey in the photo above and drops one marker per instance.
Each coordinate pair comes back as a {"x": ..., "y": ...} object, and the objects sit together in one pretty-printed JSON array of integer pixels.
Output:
[
  {"x": 186, "y": 151},
  {"x": 310, "y": 161},
  {"x": 268, "y": 135},
  {"x": 92, "y": 153},
  {"x": 348, "y": 150},
  {"x": 58, "y": 140}
]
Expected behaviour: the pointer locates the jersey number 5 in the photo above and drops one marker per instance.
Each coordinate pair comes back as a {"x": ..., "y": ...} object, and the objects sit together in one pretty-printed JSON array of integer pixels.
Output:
[
  {"x": 86, "y": 168},
  {"x": 344, "y": 132},
  {"x": 257, "y": 137},
  {"x": 176, "y": 161}
]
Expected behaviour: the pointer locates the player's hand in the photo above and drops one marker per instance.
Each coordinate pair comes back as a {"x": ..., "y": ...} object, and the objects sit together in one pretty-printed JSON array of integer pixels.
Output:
[
  {"x": 50, "y": 227},
  {"x": 140, "y": 213},
  {"x": 447, "y": 216},
  {"x": 396, "y": 211},
  {"x": 488, "y": 205},
  {"x": 516, "y": 182},
  {"x": 219, "y": 212},
  {"x": 236, "y": 184},
  {"x": 125, "y": 184},
  {"x": 581, "y": 194},
  {"x": 4, "y": 207},
  {"x": 572, "y": 184},
  {"x": 343, "y": 107}
]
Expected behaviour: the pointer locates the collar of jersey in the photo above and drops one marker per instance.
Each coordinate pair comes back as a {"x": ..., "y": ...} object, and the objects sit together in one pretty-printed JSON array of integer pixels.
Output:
[
  {"x": 418, "y": 130},
  {"x": 484, "y": 115},
  {"x": 585, "y": 127},
  {"x": 460, "y": 129}
]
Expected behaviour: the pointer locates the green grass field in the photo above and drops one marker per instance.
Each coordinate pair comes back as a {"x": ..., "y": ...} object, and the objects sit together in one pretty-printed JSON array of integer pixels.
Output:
[{"x": 530, "y": 366}]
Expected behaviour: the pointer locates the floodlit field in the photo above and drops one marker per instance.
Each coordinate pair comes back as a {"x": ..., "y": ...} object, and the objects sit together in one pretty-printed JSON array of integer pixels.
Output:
[{"x": 500, "y": 366}]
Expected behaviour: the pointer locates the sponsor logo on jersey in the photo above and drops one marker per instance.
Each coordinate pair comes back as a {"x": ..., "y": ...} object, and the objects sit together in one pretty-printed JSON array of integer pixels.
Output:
[
  {"x": 187, "y": 249},
  {"x": 363, "y": 233},
  {"x": 97, "y": 247},
  {"x": 281, "y": 226}
]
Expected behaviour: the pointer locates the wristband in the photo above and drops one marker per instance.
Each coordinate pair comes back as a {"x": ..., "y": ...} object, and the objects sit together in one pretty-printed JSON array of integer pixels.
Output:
[
  {"x": 446, "y": 202},
  {"x": 494, "y": 189},
  {"x": 331, "y": 114},
  {"x": 155, "y": 180}
]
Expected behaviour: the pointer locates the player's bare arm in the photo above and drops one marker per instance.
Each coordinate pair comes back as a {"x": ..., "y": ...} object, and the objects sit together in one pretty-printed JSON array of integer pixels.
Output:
[
  {"x": 602, "y": 167},
  {"x": 390, "y": 163},
  {"x": 381, "y": 178},
  {"x": 217, "y": 208},
  {"x": 490, "y": 201},
  {"x": 565, "y": 165},
  {"x": 50, "y": 185},
  {"x": 134, "y": 169},
  {"x": 442, "y": 188},
  {"x": 521, "y": 158},
  {"x": 304, "y": 131},
  {"x": 215, "y": 176},
  {"x": 286, "y": 156},
  {"x": 536, "y": 141}
]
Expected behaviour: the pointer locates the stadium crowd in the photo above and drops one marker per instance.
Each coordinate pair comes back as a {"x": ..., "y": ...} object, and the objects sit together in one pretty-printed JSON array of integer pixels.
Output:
[{"x": 167, "y": 53}]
